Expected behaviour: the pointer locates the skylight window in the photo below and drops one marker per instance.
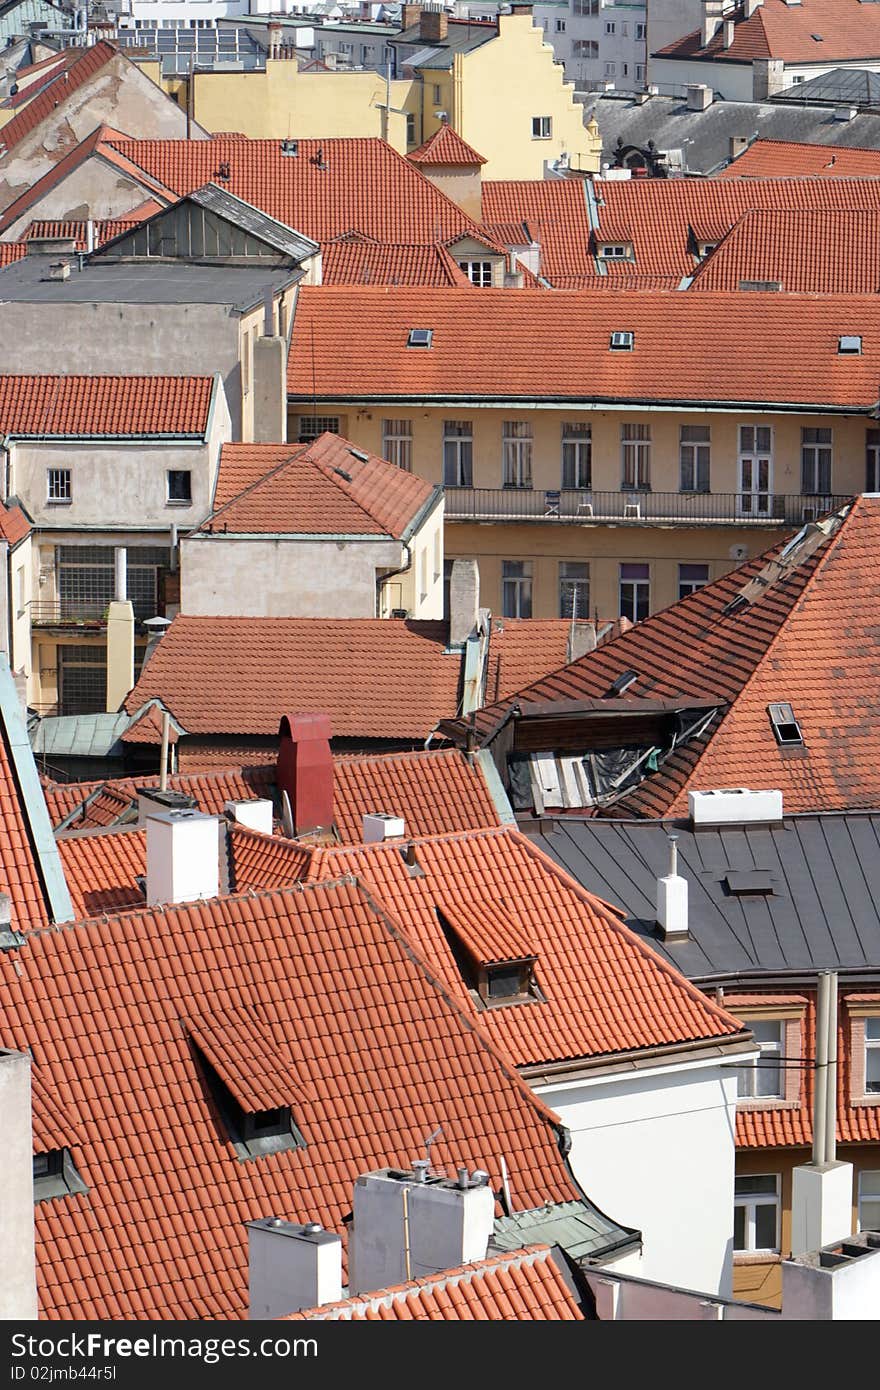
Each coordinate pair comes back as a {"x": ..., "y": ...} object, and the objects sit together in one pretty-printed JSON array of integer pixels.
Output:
[
  {"x": 420, "y": 337},
  {"x": 623, "y": 682},
  {"x": 55, "y": 1175},
  {"x": 850, "y": 344},
  {"x": 622, "y": 341},
  {"x": 785, "y": 727}
]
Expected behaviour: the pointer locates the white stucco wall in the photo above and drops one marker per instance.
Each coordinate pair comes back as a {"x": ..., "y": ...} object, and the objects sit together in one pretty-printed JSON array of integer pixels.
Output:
[
  {"x": 420, "y": 589},
  {"x": 18, "y": 1287},
  {"x": 22, "y": 584},
  {"x": 654, "y": 1149}
]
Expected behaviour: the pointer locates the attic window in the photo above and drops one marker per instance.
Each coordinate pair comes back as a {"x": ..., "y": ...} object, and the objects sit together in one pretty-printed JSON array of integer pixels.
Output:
[
  {"x": 850, "y": 345},
  {"x": 360, "y": 454},
  {"x": 784, "y": 725},
  {"x": 55, "y": 1175},
  {"x": 615, "y": 251},
  {"x": 623, "y": 682},
  {"x": 420, "y": 337},
  {"x": 622, "y": 341},
  {"x": 491, "y": 984},
  {"x": 252, "y": 1133}
]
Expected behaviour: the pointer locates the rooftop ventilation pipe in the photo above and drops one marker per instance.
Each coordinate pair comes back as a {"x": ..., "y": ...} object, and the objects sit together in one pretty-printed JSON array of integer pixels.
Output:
[{"x": 672, "y": 898}]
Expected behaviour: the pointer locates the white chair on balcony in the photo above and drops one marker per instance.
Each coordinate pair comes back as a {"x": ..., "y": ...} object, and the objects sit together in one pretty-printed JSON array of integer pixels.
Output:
[{"x": 584, "y": 506}]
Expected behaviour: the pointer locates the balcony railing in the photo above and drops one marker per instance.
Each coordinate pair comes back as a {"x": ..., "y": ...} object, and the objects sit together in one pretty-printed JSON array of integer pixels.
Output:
[
  {"x": 69, "y": 613},
  {"x": 637, "y": 506}
]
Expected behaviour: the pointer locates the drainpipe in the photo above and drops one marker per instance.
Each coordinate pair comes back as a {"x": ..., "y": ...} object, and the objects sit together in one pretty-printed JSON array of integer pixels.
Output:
[{"x": 820, "y": 1097}]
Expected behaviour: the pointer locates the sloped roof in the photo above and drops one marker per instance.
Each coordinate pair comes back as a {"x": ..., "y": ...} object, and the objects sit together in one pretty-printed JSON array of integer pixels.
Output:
[
  {"x": 812, "y": 31},
  {"x": 324, "y": 488},
  {"x": 377, "y": 678},
  {"x": 160, "y": 1232},
  {"x": 101, "y": 869},
  {"x": 603, "y": 991},
  {"x": 522, "y": 650},
  {"x": 788, "y": 159},
  {"x": 38, "y": 102},
  {"x": 105, "y": 229},
  {"x": 528, "y": 344},
  {"x": 447, "y": 149},
  {"x": 525, "y": 1285},
  {"x": 19, "y": 871},
  {"x": 92, "y": 407},
  {"x": 14, "y": 525},
  {"x": 356, "y": 261},
  {"x": 552, "y": 212},
  {"x": 102, "y": 803},
  {"x": 11, "y": 251},
  {"x": 827, "y": 252}
]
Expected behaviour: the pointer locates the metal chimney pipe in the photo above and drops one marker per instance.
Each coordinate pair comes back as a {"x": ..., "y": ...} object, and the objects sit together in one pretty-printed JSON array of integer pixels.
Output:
[
  {"x": 673, "y": 855},
  {"x": 163, "y": 756},
  {"x": 820, "y": 1102},
  {"x": 831, "y": 1071}
]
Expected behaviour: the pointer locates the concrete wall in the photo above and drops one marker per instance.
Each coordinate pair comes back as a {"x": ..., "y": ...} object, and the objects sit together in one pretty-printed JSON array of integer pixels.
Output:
[
  {"x": 635, "y": 1300},
  {"x": 731, "y": 81},
  {"x": 848, "y": 1292},
  {"x": 669, "y": 20},
  {"x": 18, "y": 1287},
  {"x": 93, "y": 189},
  {"x": 655, "y": 1150},
  {"x": 121, "y": 96}
]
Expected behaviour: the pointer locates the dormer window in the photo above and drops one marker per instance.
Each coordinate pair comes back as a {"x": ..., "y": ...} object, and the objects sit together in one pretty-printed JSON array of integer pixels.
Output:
[
  {"x": 622, "y": 341},
  {"x": 491, "y": 983},
  {"x": 507, "y": 982},
  {"x": 420, "y": 337},
  {"x": 705, "y": 248},
  {"x": 55, "y": 1175},
  {"x": 252, "y": 1132},
  {"x": 785, "y": 727},
  {"x": 615, "y": 250}
]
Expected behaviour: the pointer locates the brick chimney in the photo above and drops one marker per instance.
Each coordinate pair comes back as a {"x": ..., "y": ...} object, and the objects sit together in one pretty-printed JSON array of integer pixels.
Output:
[
  {"x": 305, "y": 770},
  {"x": 433, "y": 25},
  {"x": 410, "y": 15}
]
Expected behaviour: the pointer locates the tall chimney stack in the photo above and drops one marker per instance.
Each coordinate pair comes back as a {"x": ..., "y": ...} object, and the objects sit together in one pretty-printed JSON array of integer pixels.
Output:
[
  {"x": 305, "y": 770},
  {"x": 291, "y": 1267}
]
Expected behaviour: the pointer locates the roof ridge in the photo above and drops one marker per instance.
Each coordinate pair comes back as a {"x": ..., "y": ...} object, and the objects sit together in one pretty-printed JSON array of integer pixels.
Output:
[
  {"x": 331, "y": 472},
  {"x": 251, "y": 487}
]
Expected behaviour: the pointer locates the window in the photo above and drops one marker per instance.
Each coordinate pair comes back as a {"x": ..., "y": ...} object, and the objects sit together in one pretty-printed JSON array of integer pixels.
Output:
[
  {"x": 560, "y": 26},
  {"x": 691, "y": 578},
  {"x": 614, "y": 251},
  {"x": 516, "y": 588},
  {"x": 458, "y": 453},
  {"x": 478, "y": 272},
  {"x": 447, "y": 584},
  {"x": 610, "y": 69},
  {"x": 516, "y": 453},
  {"x": 869, "y": 1201},
  {"x": 311, "y": 426},
  {"x": 541, "y": 127},
  {"x": 252, "y": 1133},
  {"x": 624, "y": 29},
  {"x": 785, "y": 727},
  {"x": 756, "y": 1213},
  {"x": 872, "y": 461},
  {"x": 574, "y": 589},
  {"x": 585, "y": 7},
  {"x": 58, "y": 487},
  {"x": 762, "y": 1078},
  {"x": 577, "y": 447},
  {"x": 438, "y": 95},
  {"x": 397, "y": 443},
  {"x": 872, "y": 1056},
  {"x": 640, "y": 72},
  {"x": 585, "y": 48},
  {"x": 624, "y": 69},
  {"x": 420, "y": 337},
  {"x": 179, "y": 487},
  {"x": 635, "y": 446},
  {"x": 82, "y": 679},
  {"x": 815, "y": 461},
  {"x": 55, "y": 1176},
  {"x": 641, "y": 31},
  {"x": 755, "y": 470},
  {"x": 610, "y": 26},
  {"x": 622, "y": 341},
  {"x": 635, "y": 592},
  {"x": 850, "y": 345},
  {"x": 410, "y": 129},
  {"x": 693, "y": 458}
]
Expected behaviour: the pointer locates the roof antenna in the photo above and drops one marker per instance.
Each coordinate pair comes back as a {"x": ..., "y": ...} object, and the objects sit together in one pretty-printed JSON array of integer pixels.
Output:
[{"x": 429, "y": 1141}]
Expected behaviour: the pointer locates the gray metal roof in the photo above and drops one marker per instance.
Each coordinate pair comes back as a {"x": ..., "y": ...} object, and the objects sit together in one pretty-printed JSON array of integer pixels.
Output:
[
  {"x": 250, "y": 219},
  {"x": 844, "y": 86},
  {"x": 703, "y": 137},
  {"x": 583, "y": 1231},
  {"x": 80, "y": 735},
  {"x": 823, "y": 912},
  {"x": 239, "y": 287},
  {"x": 460, "y": 38}
]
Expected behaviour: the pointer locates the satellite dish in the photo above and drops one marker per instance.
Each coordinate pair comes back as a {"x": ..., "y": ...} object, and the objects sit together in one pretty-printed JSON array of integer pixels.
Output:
[{"x": 287, "y": 816}]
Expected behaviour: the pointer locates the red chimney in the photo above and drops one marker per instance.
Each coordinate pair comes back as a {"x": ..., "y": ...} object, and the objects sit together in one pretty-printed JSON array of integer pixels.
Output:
[{"x": 305, "y": 770}]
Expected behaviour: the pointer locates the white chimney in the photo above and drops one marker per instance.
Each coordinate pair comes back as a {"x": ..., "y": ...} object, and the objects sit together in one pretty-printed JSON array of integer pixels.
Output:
[
  {"x": 711, "y": 25},
  {"x": 699, "y": 96},
  {"x": 18, "y": 1287},
  {"x": 464, "y": 601},
  {"x": 378, "y": 827},
  {"x": 729, "y": 30},
  {"x": 152, "y": 799},
  {"x": 821, "y": 1195},
  {"x": 735, "y": 806},
  {"x": 840, "y": 1283},
  {"x": 408, "y": 1225},
  {"x": 182, "y": 861},
  {"x": 291, "y": 1267},
  {"x": 751, "y": 6},
  {"x": 254, "y": 815},
  {"x": 672, "y": 898}
]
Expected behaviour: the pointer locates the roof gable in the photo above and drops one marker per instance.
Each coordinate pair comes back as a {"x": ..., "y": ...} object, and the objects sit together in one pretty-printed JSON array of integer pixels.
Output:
[
  {"x": 446, "y": 149},
  {"x": 812, "y": 31},
  {"x": 78, "y": 66}
]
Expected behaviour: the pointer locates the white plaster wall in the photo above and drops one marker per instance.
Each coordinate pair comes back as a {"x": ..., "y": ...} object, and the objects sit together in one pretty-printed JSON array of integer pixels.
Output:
[
  {"x": 655, "y": 1150},
  {"x": 427, "y": 542},
  {"x": 847, "y": 1293},
  {"x": 221, "y": 576},
  {"x": 732, "y": 81},
  {"x": 18, "y": 1287},
  {"x": 22, "y": 558}
]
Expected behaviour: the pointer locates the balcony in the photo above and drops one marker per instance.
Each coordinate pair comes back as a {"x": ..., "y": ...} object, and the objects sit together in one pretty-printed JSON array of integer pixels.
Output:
[
  {"x": 84, "y": 617},
  {"x": 635, "y": 508}
]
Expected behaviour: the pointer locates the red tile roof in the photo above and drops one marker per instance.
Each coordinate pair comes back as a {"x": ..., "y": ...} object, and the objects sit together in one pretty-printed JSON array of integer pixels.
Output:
[
  {"x": 801, "y": 251},
  {"x": 521, "y": 650},
  {"x": 447, "y": 149},
  {"x": 124, "y": 407},
  {"x": 377, "y": 678},
  {"x": 11, "y": 251},
  {"x": 79, "y": 66},
  {"x": 605, "y": 991},
  {"x": 481, "y": 351},
  {"x": 356, "y": 261},
  {"x": 373, "y": 1056},
  {"x": 105, "y": 228},
  {"x": 521, "y": 1286},
  {"x": 329, "y": 188},
  {"x": 147, "y": 728},
  {"x": 211, "y": 791},
  {"x": 812, "y": 31},
  {"x": 323, "y": 488},
  {"x": 19, "y": 872},
  {"x": 100, "y": 870},
  {"x": 552, "y": 212},
  {"x": 14, "y": 525},
  {"x": 786, "y": 159}
]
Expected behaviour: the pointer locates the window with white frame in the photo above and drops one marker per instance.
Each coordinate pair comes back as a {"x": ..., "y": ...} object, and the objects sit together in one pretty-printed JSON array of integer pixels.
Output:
[
  {"x": 615, "y": 250},
  {"x": 542, "y": 127},
  {"x": 312, "y": 426},
  {"x": 458, "y": 453},
  {"x": 516, "y": 588},
  {"x": 641, "y": 31},
  {"x": 815, "y": 460},
  {"x": 640, "y": 72},
  {"x": 585, "y": 48},
  {"x": 397, "y": 443},
  {"x": 410, "y": 129},
  {"x": 560, "y": 26},
  {"x": 691, "y": 578},
  {"x": 58, "y": 485},
  {"x": 516, "y": 453},
  {"x": 624, "y": 29},
  {"x": 178, "y": 487},
  {"x": 610, "y": 26},
  {"x": 635, "y": 591},
  {"x": 478, "y": 272},
  {"x": 610, "y": 69},
  {"x": 872, "y": 1056},
  {"x": 756, "y": 1213},
  {"x": 577, "y": 446},
  {"x": 585, "y": 7},
  {"x": 869, "y": 1201},
  {"x": 574, "y": 589},
  {"x": 761, "y": 1079},
  {"x": 872, "y": 461},
  {"x": 693, "y": 458},
  {"x": 635, "y": 451}
]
